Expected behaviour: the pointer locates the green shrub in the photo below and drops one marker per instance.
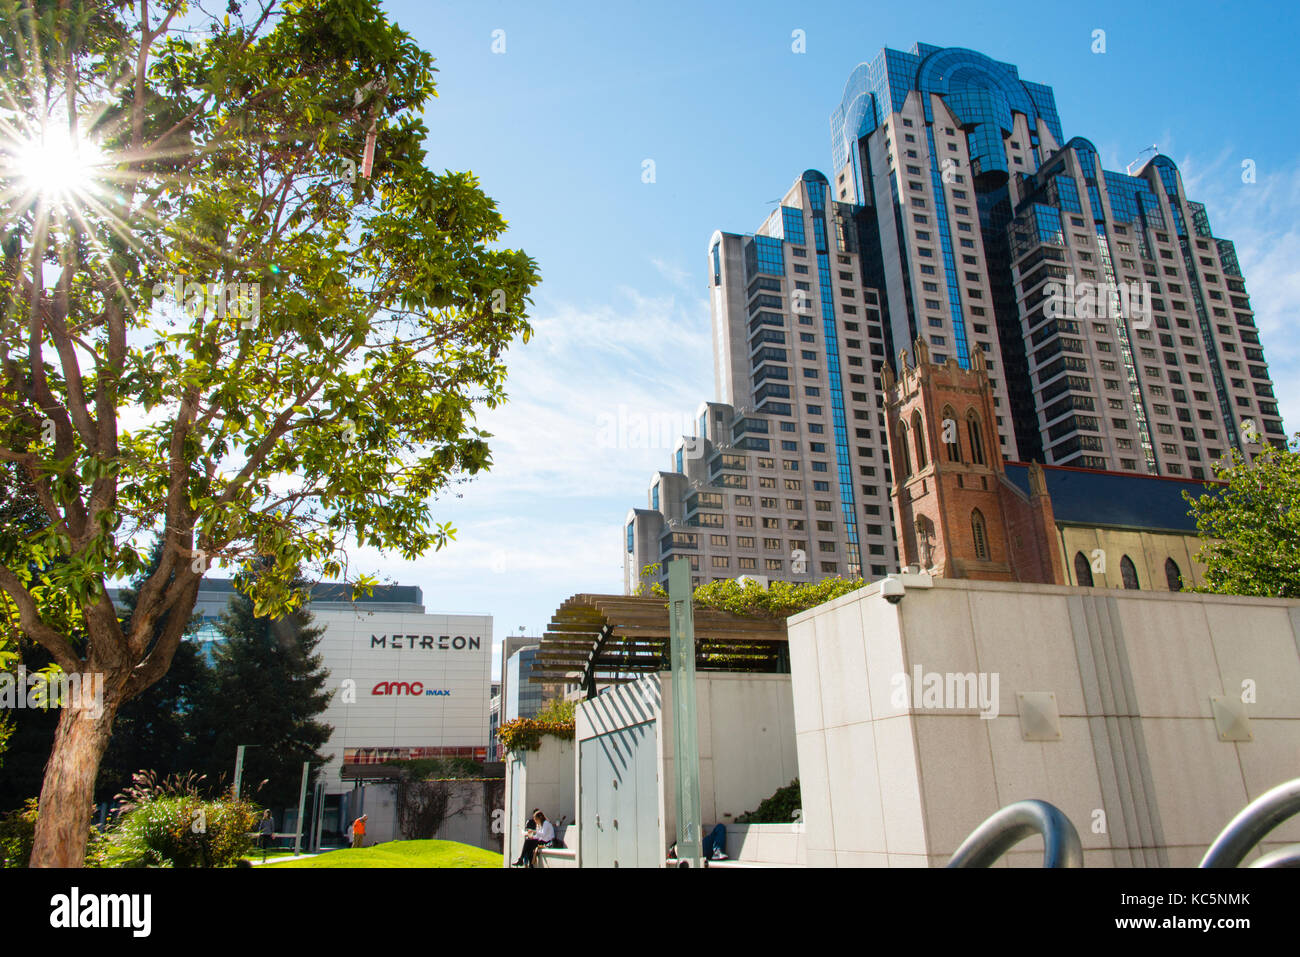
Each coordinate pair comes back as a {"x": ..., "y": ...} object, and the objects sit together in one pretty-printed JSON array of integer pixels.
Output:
[
  {"x": 18, "y": 834},
  {"x": 556, "y": 711},
  {"x": 525, "y": 734},
  {"x": 780, "y": 808},
  {"x": 172, "y": 825},
  {"x": 779, "y": 600}
]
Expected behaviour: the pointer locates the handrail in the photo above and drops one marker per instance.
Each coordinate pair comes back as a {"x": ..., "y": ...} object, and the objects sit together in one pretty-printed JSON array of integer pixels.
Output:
[
  {"x": 1014, "y": 823},
  {"x": 1288, "y": 856},
  {"x": 1250, "y": 825}
]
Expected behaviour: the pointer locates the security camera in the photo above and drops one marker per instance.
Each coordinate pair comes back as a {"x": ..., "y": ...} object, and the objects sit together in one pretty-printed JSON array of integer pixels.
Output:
[{"x": 893, "y": 590}]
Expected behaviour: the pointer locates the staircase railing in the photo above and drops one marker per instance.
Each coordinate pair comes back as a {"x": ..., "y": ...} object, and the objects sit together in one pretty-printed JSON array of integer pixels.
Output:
[
  {"x": 1249, "y": 827},
  {"x": 1011, "y": 825}
]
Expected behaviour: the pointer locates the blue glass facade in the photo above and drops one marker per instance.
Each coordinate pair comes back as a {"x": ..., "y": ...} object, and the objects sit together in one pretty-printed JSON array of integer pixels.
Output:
[
  {"x": 981, "y": 91},
  {"x": 817, "y": 191},
  {"x": 792, "y": 225},
  {"x": 1089, "y": 166},
  {"x": 764, "y": 254}
]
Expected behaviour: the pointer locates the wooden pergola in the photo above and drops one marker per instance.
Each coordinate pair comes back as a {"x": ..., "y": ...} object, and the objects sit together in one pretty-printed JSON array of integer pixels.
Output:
[{"x": 599, "y": 640}]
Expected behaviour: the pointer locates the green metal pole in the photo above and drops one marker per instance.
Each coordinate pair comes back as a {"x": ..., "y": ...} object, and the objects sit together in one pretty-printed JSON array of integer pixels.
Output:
[
  {"x": 302, "y": 806},
  {"x": 686, "y": 753}
]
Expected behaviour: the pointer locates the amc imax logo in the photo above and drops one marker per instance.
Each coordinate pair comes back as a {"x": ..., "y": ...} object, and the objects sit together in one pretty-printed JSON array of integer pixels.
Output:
[
  {"x": 427, "y": 642},
  {"x": 414, "y": 689}
]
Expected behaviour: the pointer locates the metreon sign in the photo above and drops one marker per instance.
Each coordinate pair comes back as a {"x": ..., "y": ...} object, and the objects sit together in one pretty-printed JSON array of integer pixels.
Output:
[{"x": 427, "y": 642}]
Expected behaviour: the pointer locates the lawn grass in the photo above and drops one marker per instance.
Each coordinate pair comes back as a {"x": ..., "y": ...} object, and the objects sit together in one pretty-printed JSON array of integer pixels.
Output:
[{"x": 402, "y": 854}]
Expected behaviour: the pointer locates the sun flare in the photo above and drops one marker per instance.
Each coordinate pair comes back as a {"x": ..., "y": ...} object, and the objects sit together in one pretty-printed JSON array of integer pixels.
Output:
[{"x": 58, "y": 166}]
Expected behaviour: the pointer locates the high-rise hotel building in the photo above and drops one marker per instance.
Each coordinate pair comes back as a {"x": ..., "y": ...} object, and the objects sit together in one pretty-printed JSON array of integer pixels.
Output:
[
  {"x": 981, "y": 211},
  {"x": 787, "y": 477},
  {"x": 1115, "y": 327}
]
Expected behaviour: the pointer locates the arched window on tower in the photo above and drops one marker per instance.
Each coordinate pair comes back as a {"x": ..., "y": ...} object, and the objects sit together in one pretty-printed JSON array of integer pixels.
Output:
[
  {"x": 948, "y": 434},
  {"x": 1128, "y": 572},
  {"x": 979, "y": 536},
  {"x": 904, "y": 456},
  {"x": 1173, "y": 576},
  {"x": 918, "y": 436},
  {"x": 976, "y": 438},
  {"x": 1082, "y": 570}
]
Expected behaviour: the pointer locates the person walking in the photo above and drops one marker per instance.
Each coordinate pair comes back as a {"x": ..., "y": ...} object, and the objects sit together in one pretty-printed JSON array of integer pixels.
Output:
[
  {"x": 266, "y": 832},
  {"x": 359, "y": 831}
]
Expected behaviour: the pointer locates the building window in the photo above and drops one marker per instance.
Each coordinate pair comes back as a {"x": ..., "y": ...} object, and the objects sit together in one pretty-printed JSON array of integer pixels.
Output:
[
  {"x": 920, "y": 440},
  {"x": 629, "y": 535},
  {"x": 954, "y": 447},
  {"x": 1128, "y": 573},
  {"x": 1082, "y": 570},
  {"x": 904, "y": 456},
  {"x": 976, "y": 438},
  {"x": 1173, "y": 576},
  {"x": 978, "y": 536}
]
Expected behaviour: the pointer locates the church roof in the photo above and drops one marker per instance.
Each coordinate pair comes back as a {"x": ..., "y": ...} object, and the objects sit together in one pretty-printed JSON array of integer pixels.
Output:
[{"x": 1103, "y": 499}]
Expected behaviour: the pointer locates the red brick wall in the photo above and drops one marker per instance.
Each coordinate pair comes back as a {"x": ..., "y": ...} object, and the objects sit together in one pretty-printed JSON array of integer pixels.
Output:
[{"x": 1019, "y": 532}]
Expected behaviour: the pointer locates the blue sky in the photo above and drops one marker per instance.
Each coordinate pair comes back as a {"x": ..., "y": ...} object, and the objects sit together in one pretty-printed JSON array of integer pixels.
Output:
[{"x": 559, "y": 125}]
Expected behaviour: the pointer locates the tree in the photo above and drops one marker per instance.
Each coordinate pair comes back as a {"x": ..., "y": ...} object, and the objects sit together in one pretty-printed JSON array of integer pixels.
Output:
[
  {"x": 267, "y": 688},
  {"x": 19, "y": 514},
  {"x": 25, "y": 736},
  {"x": 338, "y": 313},
  {"x": 154, "y": 731},
  {"x": 1250, "y": 528}
]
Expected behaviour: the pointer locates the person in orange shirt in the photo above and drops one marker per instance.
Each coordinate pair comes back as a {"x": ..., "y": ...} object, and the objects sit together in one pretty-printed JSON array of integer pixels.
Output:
[{"x": 359, "y": 831}]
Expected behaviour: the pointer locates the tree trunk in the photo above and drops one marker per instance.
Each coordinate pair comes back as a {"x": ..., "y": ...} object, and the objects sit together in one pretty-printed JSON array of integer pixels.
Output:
[{"x": 68, "y": 791}]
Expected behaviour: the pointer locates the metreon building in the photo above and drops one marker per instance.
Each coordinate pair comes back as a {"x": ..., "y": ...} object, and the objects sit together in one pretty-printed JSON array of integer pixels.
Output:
[{"x": 405, "y": 683}]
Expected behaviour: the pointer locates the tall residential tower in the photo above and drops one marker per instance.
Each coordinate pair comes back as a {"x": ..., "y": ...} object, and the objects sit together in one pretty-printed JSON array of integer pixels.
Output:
[
  {"x": 1114, "y": 327},
  {"x": 993, "y": 232}
]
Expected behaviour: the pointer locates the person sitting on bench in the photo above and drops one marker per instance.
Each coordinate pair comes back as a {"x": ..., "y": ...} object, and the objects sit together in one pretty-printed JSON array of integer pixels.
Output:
[{"x": 541, "y": 835}]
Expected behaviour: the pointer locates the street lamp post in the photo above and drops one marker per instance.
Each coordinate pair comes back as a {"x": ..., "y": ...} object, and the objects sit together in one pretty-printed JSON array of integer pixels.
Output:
[{"x": 686, "y": 756}]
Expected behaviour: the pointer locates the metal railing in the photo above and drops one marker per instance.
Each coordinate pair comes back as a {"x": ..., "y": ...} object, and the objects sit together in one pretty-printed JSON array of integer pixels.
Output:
[
  {"x": 1014, "y": 823},
  {"x": 1249, "y": 827},
  {"x": 1061, "y": 846}
]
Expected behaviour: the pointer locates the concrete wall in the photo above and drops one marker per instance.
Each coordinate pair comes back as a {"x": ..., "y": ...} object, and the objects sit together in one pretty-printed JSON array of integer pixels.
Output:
[
  {"x": 776, "y": 845},
  {"x": 747, "y": 745},
  {"x": 469, "y": 813},
  {"x": 746, "y": 741},
  {"x": 1132, "y": 674},
  {"x": 543, "y": 779}
]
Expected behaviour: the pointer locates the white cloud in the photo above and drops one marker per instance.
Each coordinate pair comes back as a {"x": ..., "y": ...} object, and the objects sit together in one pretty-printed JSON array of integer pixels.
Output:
[{"x": 545, "y": 522}]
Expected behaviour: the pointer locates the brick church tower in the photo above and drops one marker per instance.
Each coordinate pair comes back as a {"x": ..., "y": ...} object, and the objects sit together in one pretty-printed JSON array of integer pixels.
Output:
[{"x": 955, "y": 511}]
